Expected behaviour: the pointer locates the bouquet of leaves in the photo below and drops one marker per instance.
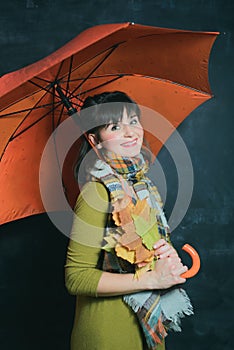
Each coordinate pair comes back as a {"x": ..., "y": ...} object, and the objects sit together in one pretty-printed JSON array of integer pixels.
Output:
[{"x": 137, "y": 233}]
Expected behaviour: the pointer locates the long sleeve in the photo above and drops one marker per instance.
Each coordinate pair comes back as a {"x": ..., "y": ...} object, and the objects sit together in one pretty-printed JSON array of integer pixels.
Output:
[{"x": 81, "y": 273}]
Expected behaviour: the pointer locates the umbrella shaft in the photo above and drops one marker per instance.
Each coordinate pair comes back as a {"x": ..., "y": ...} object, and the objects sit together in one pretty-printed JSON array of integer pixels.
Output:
[{"x": 65, "y": 100}]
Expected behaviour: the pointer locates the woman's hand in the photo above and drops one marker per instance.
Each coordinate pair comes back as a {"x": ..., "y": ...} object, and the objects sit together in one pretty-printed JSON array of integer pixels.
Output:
[
  {"x": 168, "y": 267},
  {"x": 163, "y": 249},
  {"x": 166, "y": 274}
]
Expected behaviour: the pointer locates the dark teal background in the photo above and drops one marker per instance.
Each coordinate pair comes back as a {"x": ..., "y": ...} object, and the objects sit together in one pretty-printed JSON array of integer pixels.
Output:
[{"x": 36, "y": 312}]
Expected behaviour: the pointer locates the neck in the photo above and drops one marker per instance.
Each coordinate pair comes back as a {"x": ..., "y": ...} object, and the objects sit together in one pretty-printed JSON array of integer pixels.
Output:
[
  {"x": 112, "y": 155},
  {"x": 128, "y": 167}
]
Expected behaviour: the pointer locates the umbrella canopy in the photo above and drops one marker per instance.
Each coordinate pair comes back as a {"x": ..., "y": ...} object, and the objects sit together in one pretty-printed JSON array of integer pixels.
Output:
[{"x": 163, "y": 69}]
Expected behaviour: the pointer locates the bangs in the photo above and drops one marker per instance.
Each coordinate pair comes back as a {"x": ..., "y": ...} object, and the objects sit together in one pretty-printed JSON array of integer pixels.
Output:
[
  {"x": 112, "y": 113},
  {"x": 100, "y": 110}
]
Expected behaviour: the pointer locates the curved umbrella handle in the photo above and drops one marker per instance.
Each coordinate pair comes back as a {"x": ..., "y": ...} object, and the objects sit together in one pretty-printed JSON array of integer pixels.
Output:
[{"x": 195, "y": 261}]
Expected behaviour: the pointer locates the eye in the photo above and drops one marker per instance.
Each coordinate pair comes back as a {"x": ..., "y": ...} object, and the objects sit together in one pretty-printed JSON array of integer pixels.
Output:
[
  {"x": 114, "y": 127},
  {"x": 134, "y": 120}
]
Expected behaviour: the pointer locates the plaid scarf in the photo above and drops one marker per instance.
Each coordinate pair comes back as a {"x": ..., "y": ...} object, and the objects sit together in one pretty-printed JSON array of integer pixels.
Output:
[
  {"x": 157, "y": 311},
  {"x": 134, "y": 171}
]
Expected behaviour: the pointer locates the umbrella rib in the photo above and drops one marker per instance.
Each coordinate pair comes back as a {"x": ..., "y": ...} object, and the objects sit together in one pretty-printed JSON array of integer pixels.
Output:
[
  {"x": 67, "y": 89},
  {"x": 61, "y": 111},
  {"x": 69, "y": 73},
  {"x": 32, "y": 124},
  {"x": 111, "y": 48},
  {"x": 120, "y": 75},
  {"x": 96, "y": 77},
  {"x": 110, "y": 51},
  {"x": 94, "y": 88},
  {"x": 12, "y": 136},
  {"x": 94, "y": 69},
  {"x": 54, "y": 140},
  {"x": 101, "y": 85},
  {"x": 103, "y": 76},
  {"x": 28, "y": 109},
  {"x": 41, "y": 79},
  {"x": 53, "y": 109},
  {"x": 47, "y": 89},
  {"x": 59, "y": 70},
  {"x": 60, "y": 115}
]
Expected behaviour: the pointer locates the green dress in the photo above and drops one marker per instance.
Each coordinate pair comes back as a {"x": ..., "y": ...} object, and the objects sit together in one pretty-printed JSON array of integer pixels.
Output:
[{"x": 100, "y": 323}]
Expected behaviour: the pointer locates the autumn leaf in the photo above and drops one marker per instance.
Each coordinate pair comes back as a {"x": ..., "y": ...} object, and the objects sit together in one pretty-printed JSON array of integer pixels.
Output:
[
  {"x": 116, "y": 219},
  {"x": 147, "y": 229},
  {"x": 122, "y": 211},
  {"x": 141, "y": 270},
  {"x": 142, "y": 209},
  {"x": 121, "y": 204},
  {"x": 125, "y": 254},
  {"x": 129, "y": 238},
  {"x": 111, "y": 242},
  {"x": 125, "y": 216},
  {"x": 140, "y": 232},
  {"x": 143, "y": 254}
]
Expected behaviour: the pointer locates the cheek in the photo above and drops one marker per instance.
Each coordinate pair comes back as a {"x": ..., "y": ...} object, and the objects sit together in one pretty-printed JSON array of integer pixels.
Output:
[
  {"x": 109, "y": 137},
  {"x": 141, "y": 132},
  {"x": 110, "y": 141}
]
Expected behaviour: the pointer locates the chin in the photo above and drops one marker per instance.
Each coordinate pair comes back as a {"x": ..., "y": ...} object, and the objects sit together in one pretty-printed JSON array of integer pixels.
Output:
[{"x": 130, "y": 154}]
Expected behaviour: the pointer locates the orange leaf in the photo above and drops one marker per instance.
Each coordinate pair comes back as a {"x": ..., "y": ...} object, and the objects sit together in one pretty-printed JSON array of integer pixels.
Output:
[
  {"x": 142, "y": 209},
  {"x": 122, "y": 211},
  {"x": 143, "y": 255},
  {"x": 125, "y": 216},
  {"x": 125, "y": 254},
  {"x": 129, "y": 236},
  {"x": 116, "y": 219},
  {"x": 122, "y": 203}
]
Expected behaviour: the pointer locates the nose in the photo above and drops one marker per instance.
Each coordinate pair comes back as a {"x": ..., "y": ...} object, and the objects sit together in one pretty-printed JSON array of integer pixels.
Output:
[{"x": 127, "y": 130}]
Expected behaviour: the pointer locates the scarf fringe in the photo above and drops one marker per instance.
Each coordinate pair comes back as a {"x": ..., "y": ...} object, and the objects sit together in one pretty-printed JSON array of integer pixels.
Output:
[
  {"x": 130, "y": 300},
  {"x": 172, "y": 314},
  {"x": 136, "y": 300}
]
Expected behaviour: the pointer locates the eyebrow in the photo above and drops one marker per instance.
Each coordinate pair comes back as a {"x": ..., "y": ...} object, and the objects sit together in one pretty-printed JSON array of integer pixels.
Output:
[
  {"x": 113, "y": 123},
  {"x": 132, "y": 116}
]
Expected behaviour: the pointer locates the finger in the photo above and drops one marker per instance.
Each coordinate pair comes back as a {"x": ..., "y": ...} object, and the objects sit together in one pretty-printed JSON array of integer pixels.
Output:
[
  {"x": 168, "y": 254},
  {"x": 166, "y": 251},
  {"x": 159, "y": 243},
  {"x": 179, "y": 270},
  {"x": 180, "y": 280},
  {"x": 142, "y": 264},
  {"x": 162, "y": 249}
]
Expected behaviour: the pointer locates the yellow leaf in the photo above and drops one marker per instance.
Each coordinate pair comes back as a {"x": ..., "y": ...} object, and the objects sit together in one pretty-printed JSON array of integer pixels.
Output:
[
  {"x": 116, "y": 219},
  {"x": 141, "y": 270},
  {"x": 142, "y": 209},
  {"x": 125, "y": 254}
]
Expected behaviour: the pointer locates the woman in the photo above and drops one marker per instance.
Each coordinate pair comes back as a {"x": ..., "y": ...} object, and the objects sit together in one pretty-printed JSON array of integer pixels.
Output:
[{"x": 112, "y": 266}]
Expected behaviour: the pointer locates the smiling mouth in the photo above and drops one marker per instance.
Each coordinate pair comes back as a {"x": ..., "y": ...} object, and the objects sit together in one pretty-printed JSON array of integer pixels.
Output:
[{"x": 130, "y": 143}]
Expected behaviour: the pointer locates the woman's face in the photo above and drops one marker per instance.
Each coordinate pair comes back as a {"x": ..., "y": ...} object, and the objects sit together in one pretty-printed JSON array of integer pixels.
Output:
[{"x": 124, "y": 138}]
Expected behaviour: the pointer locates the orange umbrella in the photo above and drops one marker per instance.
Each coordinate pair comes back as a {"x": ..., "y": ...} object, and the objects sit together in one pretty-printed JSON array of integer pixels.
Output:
[{"x": 163, "y": 69}]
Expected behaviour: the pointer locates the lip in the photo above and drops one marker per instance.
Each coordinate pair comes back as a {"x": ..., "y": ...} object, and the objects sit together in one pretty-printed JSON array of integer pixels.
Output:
[{"x": 130, "y": 143}]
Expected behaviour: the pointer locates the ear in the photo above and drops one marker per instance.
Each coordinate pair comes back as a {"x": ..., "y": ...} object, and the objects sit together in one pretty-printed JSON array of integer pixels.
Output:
[{"x": 93, "y": 141}]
